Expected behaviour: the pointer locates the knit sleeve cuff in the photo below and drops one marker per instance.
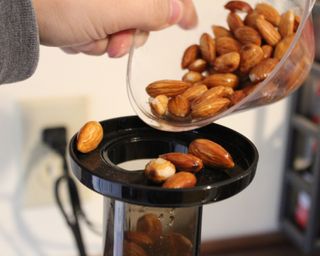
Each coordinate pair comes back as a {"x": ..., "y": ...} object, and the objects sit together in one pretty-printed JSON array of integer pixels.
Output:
[{"x": 19, "y": 40}]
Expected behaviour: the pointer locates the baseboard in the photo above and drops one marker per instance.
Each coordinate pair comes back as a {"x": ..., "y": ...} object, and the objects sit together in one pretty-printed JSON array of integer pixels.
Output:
[{"x": 242, "y": 243}]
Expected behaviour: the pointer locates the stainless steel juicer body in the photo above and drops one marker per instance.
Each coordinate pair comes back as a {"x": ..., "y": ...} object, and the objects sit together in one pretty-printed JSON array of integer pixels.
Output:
[{"x": 129, "y": 196}]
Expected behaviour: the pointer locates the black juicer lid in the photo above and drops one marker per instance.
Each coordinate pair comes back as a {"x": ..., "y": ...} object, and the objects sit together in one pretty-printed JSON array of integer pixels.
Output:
[{"x": 128, "y": 138}]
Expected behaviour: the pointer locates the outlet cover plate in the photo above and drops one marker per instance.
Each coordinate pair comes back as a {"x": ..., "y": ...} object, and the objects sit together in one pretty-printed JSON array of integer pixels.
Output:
[{"x": 40, "y": 166}]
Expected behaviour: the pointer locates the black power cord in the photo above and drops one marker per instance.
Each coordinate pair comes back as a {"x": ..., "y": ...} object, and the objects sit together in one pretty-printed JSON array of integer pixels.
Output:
[{"x": 56, "y": 139}]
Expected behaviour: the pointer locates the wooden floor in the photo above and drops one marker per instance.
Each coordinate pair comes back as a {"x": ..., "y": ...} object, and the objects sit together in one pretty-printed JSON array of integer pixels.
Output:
[
  {"x": 276, "y": 251},
  {"x": 262, "y": 245}
]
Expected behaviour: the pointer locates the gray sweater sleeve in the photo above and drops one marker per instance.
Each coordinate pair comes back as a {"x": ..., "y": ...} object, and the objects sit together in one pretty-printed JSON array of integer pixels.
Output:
[{"x": 19, "y": 41}]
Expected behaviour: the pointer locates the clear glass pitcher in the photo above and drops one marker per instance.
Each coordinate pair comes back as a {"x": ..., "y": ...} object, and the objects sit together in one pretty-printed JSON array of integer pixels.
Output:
[{"x": 160, "y": 58}]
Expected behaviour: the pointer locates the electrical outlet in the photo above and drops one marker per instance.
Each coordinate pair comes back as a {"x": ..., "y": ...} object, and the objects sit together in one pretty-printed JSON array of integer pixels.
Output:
[{"x": 40, "y": 165}]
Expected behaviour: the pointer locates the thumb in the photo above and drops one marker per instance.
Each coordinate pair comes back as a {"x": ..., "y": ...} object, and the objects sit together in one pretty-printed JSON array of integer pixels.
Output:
[{"x": 146, "y": 15}]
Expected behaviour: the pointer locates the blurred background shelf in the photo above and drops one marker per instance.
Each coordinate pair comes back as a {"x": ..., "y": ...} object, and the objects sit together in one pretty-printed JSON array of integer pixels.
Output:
[
  {"x": 298, "y": 181},
  {"x": 294, "y": 233},
  {"x": 300, "y": 207},
  {"x": 304, "y": 125}
]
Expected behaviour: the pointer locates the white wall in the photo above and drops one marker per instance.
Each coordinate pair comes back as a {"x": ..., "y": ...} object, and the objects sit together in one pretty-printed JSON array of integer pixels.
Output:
[
  {"x": 256, "y": 209},
  {"x": 42, "y": 232}
]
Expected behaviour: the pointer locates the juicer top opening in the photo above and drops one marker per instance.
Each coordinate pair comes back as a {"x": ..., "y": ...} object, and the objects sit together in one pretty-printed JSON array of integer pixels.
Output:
[{"x": 128, "y": 138}]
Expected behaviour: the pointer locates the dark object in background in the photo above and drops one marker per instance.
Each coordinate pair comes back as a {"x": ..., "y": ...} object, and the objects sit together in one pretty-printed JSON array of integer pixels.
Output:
[
  {"x": 56, "y": 139},
  {"x": 316, "y": 23}
]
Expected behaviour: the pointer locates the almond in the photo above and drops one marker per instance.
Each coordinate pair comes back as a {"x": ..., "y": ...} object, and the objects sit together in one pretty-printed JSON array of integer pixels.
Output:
[
  {"x": 214, "y": 92},
  {"x": 298, "y": 74},
  {"x": 262, "y": 70},
  {"x": 297, "y": 21},
  {"x": 228, "y": 80},
  {"x": 211, "y": 153},
  {"x": 243, "y": 78},
  {"x": 169, "y": 88},
  {"x": 210, "y": 107},
  {"x": 181, "y": 180},
  {"x": 269, "y": 13},
  {"x": 282, "y": 47},
  {"x": 251, "y": 19},
  {"x": 234, "y": 21},
  {"x": 247, "y": 35},
  {"x": 132, "y": 249},
  {"x": 209, "y": 71},
  {"x": 184, "y": 162},
  {"x": 89, "y": 137},
  {"x": 237, "y": 96},
  {"x": 159, "y": 105},
  {"x": 220, "y": 31},
  {"x": 194, "y": 92},
  {"x": 227, "y": 63},
  {"x": 287, "y": 23},
  {"x": 199, "y": 65},
  {"x": 159, "y": 170},
  {"x": 249, "y": 88},
  {"x": 182, "y": 242},
  {"x": 299, "y": 50},
  {"x": 192, "y": 77},
  {"x": 179, "y": 106},
  {"x": 269, "y": 94},
  {"x": 139, "y": 238},
  {"x": 207, "y": 48},
  {"x": 242, "y": 6},
  {"x": 251, "y": 55},
  {"x": 227, "y": 44},
  {"x": 151, "y": 225},
  {"x": 267, "y": 50},
  {"x": 190, "y": 55},
  {"x": 268, "y": 32},
  {"x": 175, "y": 244}
]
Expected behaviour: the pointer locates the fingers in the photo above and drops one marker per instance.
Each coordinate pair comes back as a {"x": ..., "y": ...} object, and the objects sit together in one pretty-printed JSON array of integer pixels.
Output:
[
  {"x": 189, "y": 18},
  {"x": 140, "y": 38},
  {"x": 96, "y": 48},
  {"x": 113, "y": 23},
  {"x": 120, "y": 43},
  {"x": 146, "y": 15},
  {"x": 69, "y": 50},
  {"x": 117, "y": 45},
  {"x": 93, "y": 48}
]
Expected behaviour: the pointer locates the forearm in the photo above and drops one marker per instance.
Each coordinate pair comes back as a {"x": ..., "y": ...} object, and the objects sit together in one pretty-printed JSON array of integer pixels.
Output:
[{"x": 19, "y": 43}]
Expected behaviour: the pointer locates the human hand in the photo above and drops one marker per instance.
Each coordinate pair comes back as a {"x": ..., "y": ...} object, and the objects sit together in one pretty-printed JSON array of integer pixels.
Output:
[{"x": 96, "y": 27}]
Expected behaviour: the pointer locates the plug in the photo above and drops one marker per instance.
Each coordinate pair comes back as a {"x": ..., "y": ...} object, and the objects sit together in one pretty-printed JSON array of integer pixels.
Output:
[{"x": 56, "y": 139}]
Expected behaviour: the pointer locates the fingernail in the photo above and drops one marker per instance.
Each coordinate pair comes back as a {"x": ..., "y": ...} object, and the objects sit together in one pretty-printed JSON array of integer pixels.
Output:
[
  {"x": 117, "y": 52},
  {"x": 190, "y": 17},
  {"x": 120, "y": 44},
  {"x": 176, "y": 11}
]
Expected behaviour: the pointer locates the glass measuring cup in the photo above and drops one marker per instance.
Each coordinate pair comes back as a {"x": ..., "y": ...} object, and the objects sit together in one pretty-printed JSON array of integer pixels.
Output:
[{"x": 160, "y": 59}]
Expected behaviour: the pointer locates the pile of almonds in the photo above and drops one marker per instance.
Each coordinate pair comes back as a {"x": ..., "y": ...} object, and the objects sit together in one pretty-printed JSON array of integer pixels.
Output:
[
  {"x": 177, "y": 170},
  {"x": 149, "y": 239},
  {"x": 224, "y": 69}
]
